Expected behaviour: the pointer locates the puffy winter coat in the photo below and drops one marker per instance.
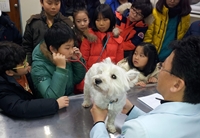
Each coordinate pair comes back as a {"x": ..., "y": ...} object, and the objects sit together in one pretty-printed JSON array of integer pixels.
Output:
[
  {"x": 16, "y": 101},
  {"x": 51, "y": 81},
  {"x": 91, "y": 51},
  {"x": 8, "y": 30},
  {"x": 156, "y": 31}
]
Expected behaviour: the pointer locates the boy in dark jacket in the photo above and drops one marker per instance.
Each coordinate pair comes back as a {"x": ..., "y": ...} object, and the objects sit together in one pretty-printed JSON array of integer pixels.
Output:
[
  {"x": 38, "y": 24},
  {"x": 16, "y": 89}
]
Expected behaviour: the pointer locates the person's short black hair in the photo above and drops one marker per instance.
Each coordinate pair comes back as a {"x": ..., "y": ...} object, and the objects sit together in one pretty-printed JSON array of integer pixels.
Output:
[
  {"x": 11, "y": 55},
  {"x": 184, "y": 4},
  {"x": 151, "y": 53},
  {"x": 106, "y": 11},
  {"x": 145, "y": 6},
  {"x": 186, "y": 65},
  {"x": 58, "y": 34}
]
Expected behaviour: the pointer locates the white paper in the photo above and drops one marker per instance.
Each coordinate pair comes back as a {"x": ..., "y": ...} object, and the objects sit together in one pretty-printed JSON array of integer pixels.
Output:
[
  {"x": 5, "y": 5},
  {"x": 151, "y": 100}
]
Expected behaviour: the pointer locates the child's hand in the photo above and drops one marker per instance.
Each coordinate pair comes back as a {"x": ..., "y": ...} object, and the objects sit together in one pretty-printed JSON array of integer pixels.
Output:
[
  {"x": 77, "y": 54},
  {"x": 63, "y": 102},
  {"x": 152, "y": 80},
  {"x": 141, "y": 83},
  {"x": 59, "y": 60}
]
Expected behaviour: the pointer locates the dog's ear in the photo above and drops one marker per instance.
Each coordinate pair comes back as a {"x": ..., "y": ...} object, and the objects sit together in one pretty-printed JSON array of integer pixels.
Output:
[
  {"x": 107, "y": 60},
  {"x": 133, "y": 77}
]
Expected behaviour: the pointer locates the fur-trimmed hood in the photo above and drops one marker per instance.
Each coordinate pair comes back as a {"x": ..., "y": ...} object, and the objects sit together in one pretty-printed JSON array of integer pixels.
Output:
[
  {"x": 46, "y": 52},
  {"x": 41, "y": 53}
]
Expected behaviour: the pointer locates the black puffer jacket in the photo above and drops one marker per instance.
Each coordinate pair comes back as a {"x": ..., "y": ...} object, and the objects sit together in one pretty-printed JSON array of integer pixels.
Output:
[{"x": 17, "y": 102}]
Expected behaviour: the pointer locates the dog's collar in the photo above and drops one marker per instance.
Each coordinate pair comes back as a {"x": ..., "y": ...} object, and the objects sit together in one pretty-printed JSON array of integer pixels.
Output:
[
  {"x": 110, "y": 105},
  {"x": 113, "y": 101}
]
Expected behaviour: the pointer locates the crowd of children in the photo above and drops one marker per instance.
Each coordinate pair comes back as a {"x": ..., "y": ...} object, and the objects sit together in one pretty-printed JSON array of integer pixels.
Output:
[
  {"x": 106, "y": 44},
  {"x": 52, "y": 41}
]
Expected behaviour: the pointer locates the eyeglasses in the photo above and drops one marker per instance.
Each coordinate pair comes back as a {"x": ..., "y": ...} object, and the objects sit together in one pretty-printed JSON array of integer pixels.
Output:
[
  {"x": 23, "y": 66},
  {"x": 159, "y": 65},
  {"x": 137, "y": 13}
]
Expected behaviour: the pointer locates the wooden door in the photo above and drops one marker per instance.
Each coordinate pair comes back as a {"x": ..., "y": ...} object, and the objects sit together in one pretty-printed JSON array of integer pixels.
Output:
[{"x": 15, "y": 13}]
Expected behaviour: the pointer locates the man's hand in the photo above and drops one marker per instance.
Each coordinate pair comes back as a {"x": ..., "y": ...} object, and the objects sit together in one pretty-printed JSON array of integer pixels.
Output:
[
  {"x": 63, "y": 102},
  {"x": 98, "y": 114}
]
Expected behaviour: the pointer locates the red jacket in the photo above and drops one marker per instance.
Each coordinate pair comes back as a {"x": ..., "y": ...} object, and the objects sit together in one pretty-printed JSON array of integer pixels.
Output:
[
  {"x": 91, "y": 50},
  {"x": 132, "y": 33}
]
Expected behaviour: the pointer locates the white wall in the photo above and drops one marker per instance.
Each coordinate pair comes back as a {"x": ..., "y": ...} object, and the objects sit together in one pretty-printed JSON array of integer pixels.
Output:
[{"x": 28, "y": 8}]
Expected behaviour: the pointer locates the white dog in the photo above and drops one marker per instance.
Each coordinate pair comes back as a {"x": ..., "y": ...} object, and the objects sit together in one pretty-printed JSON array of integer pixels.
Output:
[{"x": 106, "y": 84}]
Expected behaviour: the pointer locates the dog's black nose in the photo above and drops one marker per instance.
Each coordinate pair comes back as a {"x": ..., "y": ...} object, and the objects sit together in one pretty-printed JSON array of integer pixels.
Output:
[{"x": 98, "y": 81}]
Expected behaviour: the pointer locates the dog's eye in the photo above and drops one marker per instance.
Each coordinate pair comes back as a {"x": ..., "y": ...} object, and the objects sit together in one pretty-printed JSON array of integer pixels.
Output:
[{"x": 113, "y": 76}]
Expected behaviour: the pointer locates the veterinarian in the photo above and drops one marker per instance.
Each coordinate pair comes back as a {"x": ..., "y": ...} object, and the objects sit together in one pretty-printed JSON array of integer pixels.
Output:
[{"x": 178, "y": 83}]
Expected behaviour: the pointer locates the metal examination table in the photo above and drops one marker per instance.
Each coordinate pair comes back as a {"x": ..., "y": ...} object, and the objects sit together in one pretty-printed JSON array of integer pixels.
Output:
[{"x": 71, "y": 122}]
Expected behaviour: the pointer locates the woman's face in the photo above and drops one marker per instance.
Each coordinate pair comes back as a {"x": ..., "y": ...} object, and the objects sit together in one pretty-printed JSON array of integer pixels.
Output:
[{"x": 172, "y": 3}]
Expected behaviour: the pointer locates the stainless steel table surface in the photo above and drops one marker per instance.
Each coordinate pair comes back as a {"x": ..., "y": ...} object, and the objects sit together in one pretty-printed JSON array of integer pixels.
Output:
[{"x": 71, "y": 122}]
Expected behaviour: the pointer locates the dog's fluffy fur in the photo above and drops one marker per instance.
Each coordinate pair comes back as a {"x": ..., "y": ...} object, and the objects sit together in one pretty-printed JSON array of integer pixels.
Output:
[{"x": 106, "y": 84}]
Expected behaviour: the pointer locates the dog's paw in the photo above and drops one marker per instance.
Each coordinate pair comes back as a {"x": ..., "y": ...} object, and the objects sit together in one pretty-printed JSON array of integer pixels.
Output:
[
  {"x": 111, "y": 128},
  {"x": 86, "y": 104}
]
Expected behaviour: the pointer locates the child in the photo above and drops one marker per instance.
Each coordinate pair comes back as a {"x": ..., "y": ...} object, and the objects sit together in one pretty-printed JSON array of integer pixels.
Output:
[
  {"x": 17, "y": 96},
  {"x": 38, "y": 24},
  {"x": 53, "y": 73},
  {"x": 106, "y": 44},
  {"x": 133, "y": 27},
  {"x": 171, "y": 22},
  {"x": 143, "y": 59},
  {"x": 81, "y": 21}
]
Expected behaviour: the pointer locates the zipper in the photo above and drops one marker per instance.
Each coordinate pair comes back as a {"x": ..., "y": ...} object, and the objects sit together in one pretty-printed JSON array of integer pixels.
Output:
[{"x": 160, "y": 27}]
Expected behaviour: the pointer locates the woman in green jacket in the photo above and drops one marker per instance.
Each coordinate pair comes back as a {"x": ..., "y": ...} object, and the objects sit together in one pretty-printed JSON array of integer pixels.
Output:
[
  {"x": 53, "y": 73},
  {"x": 171, "y": 22}
]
